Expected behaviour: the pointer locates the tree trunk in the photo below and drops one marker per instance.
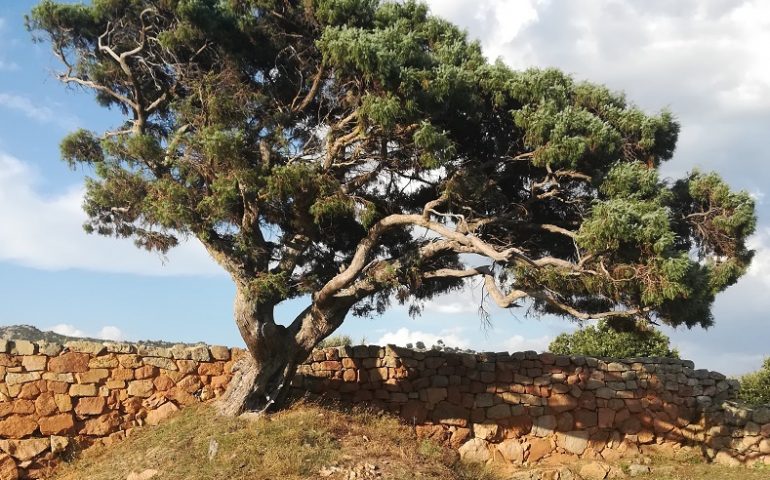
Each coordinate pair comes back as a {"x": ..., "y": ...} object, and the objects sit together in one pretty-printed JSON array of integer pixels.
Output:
[
  {"x": 258, "y": 386},
  {"x": 262, "y": 379}
]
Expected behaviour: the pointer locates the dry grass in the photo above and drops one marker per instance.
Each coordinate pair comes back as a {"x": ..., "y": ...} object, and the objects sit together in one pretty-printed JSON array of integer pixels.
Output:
[
  {"x": 298, "y": 443},
  {"x": 295, "y": 444}
]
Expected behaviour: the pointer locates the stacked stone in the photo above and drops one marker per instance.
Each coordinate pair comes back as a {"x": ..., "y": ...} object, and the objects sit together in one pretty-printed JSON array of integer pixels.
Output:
[
  {"x": 523, "y": 407},
  {"x": 52, "y": 394}
]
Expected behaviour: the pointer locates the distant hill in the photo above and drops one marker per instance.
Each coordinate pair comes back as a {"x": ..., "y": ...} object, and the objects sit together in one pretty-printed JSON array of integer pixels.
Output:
[{"x": 33, "y": 334}]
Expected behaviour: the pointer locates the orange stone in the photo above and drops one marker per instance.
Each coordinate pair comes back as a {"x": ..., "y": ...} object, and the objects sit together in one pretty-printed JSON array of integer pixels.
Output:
[
  {"x": 163, "y": 383},
  {"x": 45, "y": 404},
  {"x": 58, "y": 387},
  {"x": 212, "y": 369},
  {"x": 122, "y": 374},
  {"x": 70, "y": 362},
  {"x": 57, "y": 424},
  {"x": 539, "y": 448},
  {"x": 31, "y": 390},
  {"x": 219, "y": 382},
  {"x": 90, "y": 406},
  {"x": 22, "y": 407},
  {"x": 17, "y": 426},
  {"x": 562, "y": 402},
  {"x": 8, "y": 470},
  {"x": 101, "y": 426},
  {"x": 147, "y": 371}
]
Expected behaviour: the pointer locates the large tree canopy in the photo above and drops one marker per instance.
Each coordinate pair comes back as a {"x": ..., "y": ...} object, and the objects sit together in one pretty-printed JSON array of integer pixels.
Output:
[{"x": 357, "y": 152}]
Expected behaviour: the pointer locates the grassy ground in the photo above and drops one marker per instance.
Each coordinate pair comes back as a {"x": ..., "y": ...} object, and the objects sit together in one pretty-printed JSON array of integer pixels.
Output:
[
  {"x": 311, "y": 442},
  {"x": 297, "y": 444}
]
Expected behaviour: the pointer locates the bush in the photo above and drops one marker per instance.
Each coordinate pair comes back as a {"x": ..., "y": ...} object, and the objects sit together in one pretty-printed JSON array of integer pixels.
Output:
[
  {"x": 336, "y": 341},
  {"x": 755, "y": 386},
  {"x": 604, "y": 340}
]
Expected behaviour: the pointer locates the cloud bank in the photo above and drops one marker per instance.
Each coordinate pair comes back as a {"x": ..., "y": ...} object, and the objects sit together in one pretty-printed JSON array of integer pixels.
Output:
[{"x": 45, "y": 232}]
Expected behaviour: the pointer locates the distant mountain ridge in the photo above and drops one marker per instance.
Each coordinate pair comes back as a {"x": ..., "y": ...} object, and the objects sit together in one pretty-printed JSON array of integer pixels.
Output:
[{"x": 34, "y": 334}]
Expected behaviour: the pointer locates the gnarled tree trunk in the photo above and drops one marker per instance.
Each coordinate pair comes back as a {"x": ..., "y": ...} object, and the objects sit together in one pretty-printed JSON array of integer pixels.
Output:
[{"x": 261, "y": 380}]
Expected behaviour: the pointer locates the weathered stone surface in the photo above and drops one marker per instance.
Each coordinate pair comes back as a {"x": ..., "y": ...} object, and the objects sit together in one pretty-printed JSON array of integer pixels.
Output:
[
  {"x": 20, "y": 378},
  {"x": 512, "y": 451},
  {"x": 101, "y": 426},
  {"x": 544, "y": 425},
  {"x": 156, "y": 416},
  {"x": 449, "y": 414},
  {"x": 574, "y": 442},
  {"x": 594, "y": 471},
  {"x": 562, "y": 403},
  {"x": 160, "y": 362},
  {"x": 87, "y": 390},
  {"x": 538, "y": 448},
  {"x": 23, "y": 347},
  {"x": 219, "y": 352},
  {"x": 90, "y": 406},
  {"x": 59, "y": 444},
  {"x": 94, "y": 375},
  {"x": 200, "y": 353},
  {"x": 17, "y": 426},
  {"x": 140, "y": 388},
  {"x": 475, "y": 450},
  {"x": 636, "y": 469},
  {"x": 45, "y": 404},
  {"x": 57, "y": 424},
  {"x": 34, "y": 363},
  {"x": 486, "y": 431},
  {"x": 70, "y": 362},
  {"x": 8, "y": 470},
  {"x": 24, "y": 450},
  {"x": 63, "y": 402},
  {"x": 85, "y": 346}
]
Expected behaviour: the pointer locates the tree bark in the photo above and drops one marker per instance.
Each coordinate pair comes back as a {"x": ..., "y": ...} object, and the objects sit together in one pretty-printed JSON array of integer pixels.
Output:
[{"x": 261, "y": 379}]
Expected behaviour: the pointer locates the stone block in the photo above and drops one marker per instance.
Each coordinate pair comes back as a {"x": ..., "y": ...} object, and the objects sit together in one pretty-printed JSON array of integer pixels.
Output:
[
  {"x": 140, "y": 388},
  {"x": 83, "y": 390},
  {"x": 60, "y": 424},
  {"x": 87, "y": 406},
  {"x": 22, "y": 347},
  {"x": 160, "y": 362},
  {"x": 85, "y": 346},
  {"x": 95, "y": 375},
  {"x": 34, "y": 363},
  {"x": 69, "y": 362}
]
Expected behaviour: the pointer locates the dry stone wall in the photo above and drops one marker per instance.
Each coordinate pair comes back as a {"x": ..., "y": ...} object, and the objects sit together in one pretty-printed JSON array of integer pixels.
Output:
[
  {"x": 526, "y": 407},
  {"x": 521, "y": 408},
  {"x": 52, "y": 396}
]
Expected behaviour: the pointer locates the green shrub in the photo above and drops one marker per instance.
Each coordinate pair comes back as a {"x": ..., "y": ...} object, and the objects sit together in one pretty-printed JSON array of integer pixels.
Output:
[
  {"x": 336, "y": 341},
  {"x": 604, "y": 340},
  {"x": 755, "y": 386}
]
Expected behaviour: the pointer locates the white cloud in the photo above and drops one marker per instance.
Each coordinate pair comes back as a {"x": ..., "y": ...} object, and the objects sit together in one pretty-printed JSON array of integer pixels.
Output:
[
  {"x": 39, "y": 113},
  {"x": 108, "y": 332},
  {"x": 760, "y": 265},
  {"x": 518, "y": 343},
  {"x": 402, "y": 336},
  {"x": 46, "y": 233}
]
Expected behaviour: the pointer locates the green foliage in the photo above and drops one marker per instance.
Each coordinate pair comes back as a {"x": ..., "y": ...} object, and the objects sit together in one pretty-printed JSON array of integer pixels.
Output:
[
  {"x": 755, "y": 386},
  {"x": 281, "y": 133},
  {"x": 602, "y": 340},
  {"x": 336, "y": 341}
]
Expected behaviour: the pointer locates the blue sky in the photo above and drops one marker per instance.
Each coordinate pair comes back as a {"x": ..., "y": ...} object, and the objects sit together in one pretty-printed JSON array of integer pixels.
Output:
[{"x": 705, "y": 60}]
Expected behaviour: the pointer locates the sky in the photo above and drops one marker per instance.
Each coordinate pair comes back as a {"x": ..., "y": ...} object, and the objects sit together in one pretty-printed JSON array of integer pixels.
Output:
[{"x": 706, "y": 60}]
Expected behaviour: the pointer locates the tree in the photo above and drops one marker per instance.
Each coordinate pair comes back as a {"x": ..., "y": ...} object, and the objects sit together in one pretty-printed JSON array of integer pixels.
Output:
[
  {"x": 755, "y": 386},
  {"x": 603, "y": 340},
  {"x": 352, "y": 153}
]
